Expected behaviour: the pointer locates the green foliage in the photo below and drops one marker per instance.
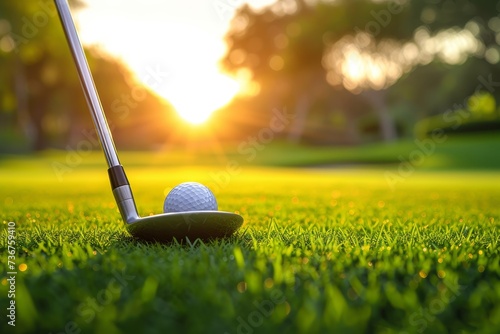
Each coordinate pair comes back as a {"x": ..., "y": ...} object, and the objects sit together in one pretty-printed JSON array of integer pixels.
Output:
[
  {"x": 478, "y": 113},
  {"x": 321, "y": 251},
  {"x": 301, "y": 34},
  {"x": 483, "y": 106},
  {"x": 40, "y": 93}
]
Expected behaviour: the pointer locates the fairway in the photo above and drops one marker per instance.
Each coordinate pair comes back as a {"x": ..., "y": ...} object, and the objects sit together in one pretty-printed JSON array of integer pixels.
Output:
[
  {"x": 250, "y": 167},
  {"x": 321, "y": 251}
]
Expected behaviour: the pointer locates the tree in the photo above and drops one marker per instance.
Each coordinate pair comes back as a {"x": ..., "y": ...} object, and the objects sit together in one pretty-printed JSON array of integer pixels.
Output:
[
  {"x": 50, "y": 107},
  {"x": 287, "y": 47},
  {"x": 32, "y": 58}
]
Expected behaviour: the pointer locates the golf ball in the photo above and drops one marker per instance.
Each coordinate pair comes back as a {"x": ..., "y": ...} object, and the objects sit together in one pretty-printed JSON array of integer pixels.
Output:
[{"x": 190, "y": 196}]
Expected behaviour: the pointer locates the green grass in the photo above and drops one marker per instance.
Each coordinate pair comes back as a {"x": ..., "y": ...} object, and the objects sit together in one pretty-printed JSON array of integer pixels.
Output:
[
  {"x": 457, "y": 152},
  {"x": 476, "y": 151},
  {"x": 321, "y": 251}
]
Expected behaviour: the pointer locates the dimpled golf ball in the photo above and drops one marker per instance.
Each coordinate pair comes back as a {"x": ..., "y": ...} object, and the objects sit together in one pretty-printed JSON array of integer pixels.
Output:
[{"x": 190, "y": 196}]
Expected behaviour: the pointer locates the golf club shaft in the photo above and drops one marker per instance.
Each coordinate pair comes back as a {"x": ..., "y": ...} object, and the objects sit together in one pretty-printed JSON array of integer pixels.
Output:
[
  {"x": 88, "y": 84},
  {"x": 119, "y": 183}
]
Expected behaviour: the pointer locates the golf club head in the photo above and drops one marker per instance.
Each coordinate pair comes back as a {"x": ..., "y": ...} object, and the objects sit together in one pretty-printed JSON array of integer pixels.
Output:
[
  {"x": 166, "y": 227},
  {"x": 204, "y": 225}
]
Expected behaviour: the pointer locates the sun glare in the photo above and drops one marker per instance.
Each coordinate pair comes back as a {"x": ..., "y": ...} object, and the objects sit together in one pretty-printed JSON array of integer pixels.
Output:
[
  {"x": 354, "y": 66},
  {"x": 172, "y": 40},
  {"x": 195, "y": 100},
  {"x": 377, "y": 65}
]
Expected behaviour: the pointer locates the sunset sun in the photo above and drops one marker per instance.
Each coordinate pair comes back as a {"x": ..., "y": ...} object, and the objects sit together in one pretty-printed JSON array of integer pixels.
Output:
[
  {"x": 183, "y": 47},
  {"x": 196, "y": 98}
]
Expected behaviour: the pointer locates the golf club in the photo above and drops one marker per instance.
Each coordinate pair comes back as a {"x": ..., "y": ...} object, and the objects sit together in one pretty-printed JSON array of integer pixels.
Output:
[{"x": 162, "y": 227}]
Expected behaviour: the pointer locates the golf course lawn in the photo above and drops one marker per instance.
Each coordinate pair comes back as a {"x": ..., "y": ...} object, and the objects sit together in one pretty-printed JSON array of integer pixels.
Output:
[{"x": 321, "y": 251}]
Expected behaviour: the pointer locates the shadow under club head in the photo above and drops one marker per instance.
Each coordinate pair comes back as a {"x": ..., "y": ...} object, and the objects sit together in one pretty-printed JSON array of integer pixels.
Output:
[{"x": 204, "y": 225}]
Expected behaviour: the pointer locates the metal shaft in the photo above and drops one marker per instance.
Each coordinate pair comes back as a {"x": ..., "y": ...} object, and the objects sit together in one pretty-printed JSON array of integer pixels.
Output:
[{"x": 88, "y": 84}]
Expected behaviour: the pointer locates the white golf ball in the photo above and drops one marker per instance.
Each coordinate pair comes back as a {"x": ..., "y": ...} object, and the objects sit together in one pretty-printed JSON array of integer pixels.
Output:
[{"x": 190, "y": 196}]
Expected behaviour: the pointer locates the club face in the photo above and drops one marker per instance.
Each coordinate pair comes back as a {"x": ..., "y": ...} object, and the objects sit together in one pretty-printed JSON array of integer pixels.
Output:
[{"x": 204, "y": 225}]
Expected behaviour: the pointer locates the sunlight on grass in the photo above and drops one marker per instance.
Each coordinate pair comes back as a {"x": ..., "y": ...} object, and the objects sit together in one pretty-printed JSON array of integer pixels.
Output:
[{"x": 320, "y": 250}]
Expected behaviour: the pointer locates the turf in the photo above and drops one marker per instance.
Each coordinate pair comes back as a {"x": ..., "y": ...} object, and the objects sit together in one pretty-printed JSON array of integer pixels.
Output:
[
  {"x": 321, "y": 251},
  {"x": 453, "y": 152}
]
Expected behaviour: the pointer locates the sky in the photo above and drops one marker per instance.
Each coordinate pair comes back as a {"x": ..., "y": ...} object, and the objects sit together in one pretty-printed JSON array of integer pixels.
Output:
[{"x": 172, "y": 46}]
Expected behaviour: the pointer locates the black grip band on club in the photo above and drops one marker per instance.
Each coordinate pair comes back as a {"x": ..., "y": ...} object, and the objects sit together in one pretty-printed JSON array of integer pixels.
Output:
[{"x": 117, "y": 177}]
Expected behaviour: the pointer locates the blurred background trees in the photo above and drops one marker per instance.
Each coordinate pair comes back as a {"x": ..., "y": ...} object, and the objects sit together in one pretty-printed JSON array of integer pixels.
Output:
[
  {"x": 357, "y": 71},
  {"x": 348, "y": 71},
  {"x": 41, "y": 101}
]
